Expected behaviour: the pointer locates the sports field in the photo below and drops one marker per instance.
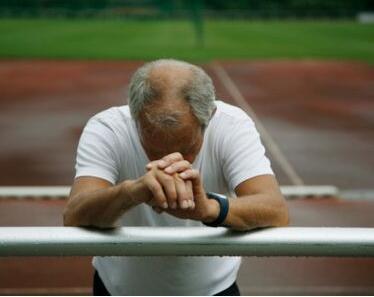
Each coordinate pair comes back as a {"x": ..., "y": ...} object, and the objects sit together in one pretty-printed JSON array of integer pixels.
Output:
[{"x": 121, "y": 39}]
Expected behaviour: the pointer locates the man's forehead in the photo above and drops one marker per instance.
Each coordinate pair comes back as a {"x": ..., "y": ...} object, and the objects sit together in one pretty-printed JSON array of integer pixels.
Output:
[
  {"x": 178, "y": 140},
  {"x": 170, "y": 78},
  {"x": 167, "y": 103},
  {"x": 181, "y": 132}
]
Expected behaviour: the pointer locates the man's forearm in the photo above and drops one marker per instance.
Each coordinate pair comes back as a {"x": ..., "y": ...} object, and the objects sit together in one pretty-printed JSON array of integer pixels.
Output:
[
  {"x": 255, "y": 211},
  {"x": 99, "y": 208}
]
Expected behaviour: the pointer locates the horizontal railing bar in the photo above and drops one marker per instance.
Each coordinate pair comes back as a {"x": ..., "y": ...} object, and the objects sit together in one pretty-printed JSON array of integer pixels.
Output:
[
  {"x": 309, "y": 191},
  {"x": 60, "y": 192},
  {"x": 35, "y": 191},
  {"x": 186, "y": 241},
  {"x": 358, "y": 194}
]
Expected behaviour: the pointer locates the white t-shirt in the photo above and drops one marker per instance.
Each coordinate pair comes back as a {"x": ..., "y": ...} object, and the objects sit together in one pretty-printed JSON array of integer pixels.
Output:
[{"x": 231, "y": 153}]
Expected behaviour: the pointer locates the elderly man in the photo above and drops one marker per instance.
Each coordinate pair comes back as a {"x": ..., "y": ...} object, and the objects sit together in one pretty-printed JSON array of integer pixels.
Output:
[{"x": 173, "y": 157}]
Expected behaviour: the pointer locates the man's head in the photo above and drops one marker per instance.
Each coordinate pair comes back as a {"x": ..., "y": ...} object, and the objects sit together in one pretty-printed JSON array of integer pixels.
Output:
[{"x": 172, "y": 102}]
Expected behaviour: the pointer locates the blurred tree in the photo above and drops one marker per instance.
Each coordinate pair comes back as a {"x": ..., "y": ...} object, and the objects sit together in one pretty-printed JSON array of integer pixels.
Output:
[{"x": 177, "y": 8}]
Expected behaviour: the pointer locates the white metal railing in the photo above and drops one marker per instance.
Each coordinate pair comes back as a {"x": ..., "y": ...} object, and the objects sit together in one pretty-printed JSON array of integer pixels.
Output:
[
  {"x": 186, "y": 241},
  {"x": 60, "y": 192}
]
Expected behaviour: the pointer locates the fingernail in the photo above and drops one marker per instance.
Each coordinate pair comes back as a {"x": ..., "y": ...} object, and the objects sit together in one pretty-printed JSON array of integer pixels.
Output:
[
  {"x": 164, "y": 205},
  {"x": 184, "y": 204},
  {"x": 192, "y": 204},
  {"x": 183, "y": 174},
  {"x": 169, "y": 169},
  {"x": 162, "y": 163}
]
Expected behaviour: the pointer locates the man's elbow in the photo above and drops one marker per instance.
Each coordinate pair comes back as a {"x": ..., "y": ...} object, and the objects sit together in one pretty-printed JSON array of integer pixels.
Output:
[
  {"x": 71, "y": 220},
  {"x": 68, "y": 219},
  {"x": 73, "y": 216},
  {"x": 281, "y": 216}
]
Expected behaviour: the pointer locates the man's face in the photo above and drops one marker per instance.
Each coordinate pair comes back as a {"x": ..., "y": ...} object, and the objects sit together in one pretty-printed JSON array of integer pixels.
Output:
[
  {"x": 167, "y": 124},
  {"x": 158, "y": 141}
]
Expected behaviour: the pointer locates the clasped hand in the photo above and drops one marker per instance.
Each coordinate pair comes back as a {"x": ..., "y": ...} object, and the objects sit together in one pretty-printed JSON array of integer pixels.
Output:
[{"x": 173, "y": 186}]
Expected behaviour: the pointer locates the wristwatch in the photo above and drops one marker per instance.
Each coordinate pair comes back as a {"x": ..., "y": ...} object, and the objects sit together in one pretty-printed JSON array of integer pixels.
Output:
[{"x": 223, "y": 202}]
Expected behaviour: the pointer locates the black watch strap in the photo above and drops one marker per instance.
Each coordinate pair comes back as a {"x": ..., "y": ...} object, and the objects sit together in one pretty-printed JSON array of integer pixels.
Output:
[{"x": 224, "y": 209}]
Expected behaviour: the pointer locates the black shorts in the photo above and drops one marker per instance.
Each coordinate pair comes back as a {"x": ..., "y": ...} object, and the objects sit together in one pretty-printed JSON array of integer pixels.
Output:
[{"x": 100, "y": 290}]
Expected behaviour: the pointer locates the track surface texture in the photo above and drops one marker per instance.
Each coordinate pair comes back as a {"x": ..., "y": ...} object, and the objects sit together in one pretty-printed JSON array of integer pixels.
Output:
[{"x": 320, "y": 115}]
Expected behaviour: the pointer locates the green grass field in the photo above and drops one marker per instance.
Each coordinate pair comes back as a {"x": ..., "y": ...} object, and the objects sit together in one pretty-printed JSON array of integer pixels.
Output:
[{"x": 116, "y": 39}]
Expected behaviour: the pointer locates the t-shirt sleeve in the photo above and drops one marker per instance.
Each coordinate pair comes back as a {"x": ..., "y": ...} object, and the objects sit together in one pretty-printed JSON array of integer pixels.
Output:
[
  {"x": 243, "y": 154},
  {"x": 96, "y": 154}
]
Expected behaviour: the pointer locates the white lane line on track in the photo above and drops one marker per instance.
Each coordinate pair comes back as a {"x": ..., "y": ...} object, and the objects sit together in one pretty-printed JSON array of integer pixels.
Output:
[{"x": 270, "y": 143}]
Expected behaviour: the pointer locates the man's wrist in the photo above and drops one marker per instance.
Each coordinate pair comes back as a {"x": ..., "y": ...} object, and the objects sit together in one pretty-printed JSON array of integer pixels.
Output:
[
  {"x": 223, "y": 206},
  {"x": 213, "y": 211},
  {"x": 134, "y": 191}
]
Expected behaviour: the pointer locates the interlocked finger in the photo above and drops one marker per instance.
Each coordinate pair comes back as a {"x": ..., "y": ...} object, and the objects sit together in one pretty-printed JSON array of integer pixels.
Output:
[
  {"x": 184, "y": 195},
  {"x": 168, "y": 184},
  {"x": 166, "y": 161},
  {"x": 190, "y": 193},
  {"x": 178, "y": 166},
  {"x": 190, "y": 174},
  {"x": 159, "y": 198},
  {"x": 194, "y": 176}
]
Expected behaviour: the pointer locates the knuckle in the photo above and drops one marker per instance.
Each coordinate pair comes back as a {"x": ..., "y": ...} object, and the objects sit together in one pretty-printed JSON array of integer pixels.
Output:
[
  {"x": 188, "y": 173},
  {"x": 178, "y": 155},
  {"x": 168, "y": 179},
  {"x": 165, "y": 158},
  {"x": 153, "y": 187},
  {"x": 176, "y": 178},
  {"x": 180, "y": 165},
  {"x": 150, "y": 174},
  {"x": 152, "y": 165},
  {"x": 172, "y": 194}
]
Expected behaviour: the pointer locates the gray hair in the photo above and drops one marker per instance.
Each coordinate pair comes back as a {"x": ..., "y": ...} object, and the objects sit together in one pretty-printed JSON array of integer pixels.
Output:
[{"x": 199, "y": 91}]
